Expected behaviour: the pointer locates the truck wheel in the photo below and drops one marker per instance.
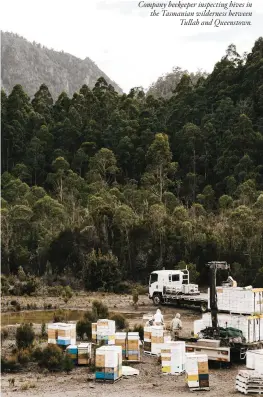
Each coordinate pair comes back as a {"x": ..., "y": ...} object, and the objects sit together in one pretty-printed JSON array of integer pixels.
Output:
[
  {"x": 203, "y": 307},
  {"x": 157, "y": 300}
]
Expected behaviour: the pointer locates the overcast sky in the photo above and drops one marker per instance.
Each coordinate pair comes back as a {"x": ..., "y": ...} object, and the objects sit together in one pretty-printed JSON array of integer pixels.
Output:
[{"x": 130, "y": 46}]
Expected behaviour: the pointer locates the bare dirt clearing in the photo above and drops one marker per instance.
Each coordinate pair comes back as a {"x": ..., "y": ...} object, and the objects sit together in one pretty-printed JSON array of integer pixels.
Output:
[{"x": 150, "y": 382}]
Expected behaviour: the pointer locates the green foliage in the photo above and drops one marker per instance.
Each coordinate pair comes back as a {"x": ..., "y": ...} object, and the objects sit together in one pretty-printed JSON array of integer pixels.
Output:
[
  {"x": 37, "y": 354},
  {"x": 9, "y": 365},
  {"x": 101, "y": 271},
  {"x": 99, "y": 310},
  {"x": 24, "y": 356},
  {"x": 43, "y": 330},
  {"x": 135, "y": 296},
  {"x": 67, "y": 294},
  {"x": 106, "y": 188},
  {"x": 52, "y": 358},
  {"x": 83, "y": 328},
  {"x": 193, "y": 273},
  {"x": 68, "y": 364},
  {"x": 4, "y": 334},
  {"x": 120, "y": 321},
  {"x": 21, "y": 274},
  {"x": 25, "y": 336},
  {"x": 139, "y": 328}
]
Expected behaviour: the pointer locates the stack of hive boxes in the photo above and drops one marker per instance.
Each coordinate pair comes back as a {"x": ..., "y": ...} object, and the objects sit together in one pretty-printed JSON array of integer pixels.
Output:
[
  {"x": 72, "y": 352},
  {"x": 173, "y": 357},
  {"x": 197, "y": 373},
  {"x": 251, "y": 326},
  {"x": 120, "y": 340},
  {"x": 105, "y": 332},
  {"x": 94, "y": 332},
  {"x": 62, "y": 334},
  {"x": 133, "y": 346},
  {"x": 147, "y": 337},
  {"x": 239, "y": 300},
  {"x": 108, "y": 363},
  {"x": 84, "y": 353},
  {"x": 154, "y": 337},
  {"x": 52, "y": 333},
  {"x": 66, "y": 334}
]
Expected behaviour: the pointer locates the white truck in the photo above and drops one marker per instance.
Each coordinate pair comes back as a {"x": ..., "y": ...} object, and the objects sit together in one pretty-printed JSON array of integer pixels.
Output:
[{"x": 173, "y": 287}]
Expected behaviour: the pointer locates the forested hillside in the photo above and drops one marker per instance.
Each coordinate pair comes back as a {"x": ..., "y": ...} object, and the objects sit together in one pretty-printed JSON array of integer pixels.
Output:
[{"x": 107, "y": 187}]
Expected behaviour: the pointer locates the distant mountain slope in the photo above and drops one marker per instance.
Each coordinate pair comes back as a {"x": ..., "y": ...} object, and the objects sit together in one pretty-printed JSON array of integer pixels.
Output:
[
  {"x": 166, "y": 84},
  {"x": 31, "y": 64}
]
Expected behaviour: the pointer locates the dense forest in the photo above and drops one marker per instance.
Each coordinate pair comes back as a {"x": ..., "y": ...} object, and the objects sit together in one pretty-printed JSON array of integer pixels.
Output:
[{"x": 106, "y": 187}]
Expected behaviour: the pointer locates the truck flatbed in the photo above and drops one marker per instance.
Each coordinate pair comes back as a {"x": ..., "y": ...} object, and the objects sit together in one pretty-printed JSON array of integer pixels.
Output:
[{"x": 199, "y": 300}]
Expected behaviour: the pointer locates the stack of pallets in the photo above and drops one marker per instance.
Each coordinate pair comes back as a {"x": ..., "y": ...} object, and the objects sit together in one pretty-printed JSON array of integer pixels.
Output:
[{"x": 248, "y": 382}]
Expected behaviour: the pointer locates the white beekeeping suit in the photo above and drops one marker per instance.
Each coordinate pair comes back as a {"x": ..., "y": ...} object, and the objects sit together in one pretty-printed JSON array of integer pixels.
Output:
[{"x": 158, "y": 317}]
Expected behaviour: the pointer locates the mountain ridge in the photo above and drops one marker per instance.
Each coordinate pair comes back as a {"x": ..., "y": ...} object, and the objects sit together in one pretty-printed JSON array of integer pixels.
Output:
[{"x": 32, "y": 64}]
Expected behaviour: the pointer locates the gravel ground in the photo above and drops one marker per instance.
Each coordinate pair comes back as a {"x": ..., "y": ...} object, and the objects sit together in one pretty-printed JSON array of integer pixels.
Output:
[{"x": 149, "y": 383}]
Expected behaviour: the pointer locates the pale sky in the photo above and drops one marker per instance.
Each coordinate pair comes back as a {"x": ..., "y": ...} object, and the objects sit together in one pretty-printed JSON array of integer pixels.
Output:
[{"x": 130, "y": 46}]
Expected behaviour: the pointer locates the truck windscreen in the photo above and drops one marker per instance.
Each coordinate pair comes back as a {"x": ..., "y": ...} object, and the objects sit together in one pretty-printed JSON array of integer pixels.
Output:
[{"x": 153, "y": 278}]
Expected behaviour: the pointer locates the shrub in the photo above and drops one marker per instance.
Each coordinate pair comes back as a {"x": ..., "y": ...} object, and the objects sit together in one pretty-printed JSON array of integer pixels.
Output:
[
  {"x": 31, "y": 286},
  {"x": 37, "y": 354},
  {"x": 9, "y": 365},
  {"x": 67, "y": 364},
  {"x": 139, "y": 328},
  {"x": 43, "y": 330},
  {"x": 55, "y": 291},
  {"x": 59, "y": 316},
  {"x": 25, "y": 336},
  {"x": 101, "y": 271},
  {"x": 4, "y": 334},
  {"x": 99, "y": 310},
  {"x": 88, "y": 315},
  {"x": 135, "y": 296},
  {"x": 67, "y": 294},
  {"x": 23, "y": 356},
  {"x": 4, "y": 285},
  {"x": 21, "y": 274},
  {"x": 52, "y": 358},
  {"x": 142, "y": 289},
  {"x": 120, "y": 321},
  {"x": 124, "y": 287},
  {"x": 83, "y": 327}
]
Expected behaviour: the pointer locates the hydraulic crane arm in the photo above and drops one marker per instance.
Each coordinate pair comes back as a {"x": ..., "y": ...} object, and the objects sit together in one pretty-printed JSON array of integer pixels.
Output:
[{"x": 214, "y": 266}]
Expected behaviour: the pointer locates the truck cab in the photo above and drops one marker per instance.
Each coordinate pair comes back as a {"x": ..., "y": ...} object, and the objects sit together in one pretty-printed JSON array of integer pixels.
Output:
[{"x": 162, "y": 280}]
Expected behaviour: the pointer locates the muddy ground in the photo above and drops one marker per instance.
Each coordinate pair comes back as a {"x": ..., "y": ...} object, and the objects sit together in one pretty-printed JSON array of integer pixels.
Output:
[{"x": 149, "y": 383}]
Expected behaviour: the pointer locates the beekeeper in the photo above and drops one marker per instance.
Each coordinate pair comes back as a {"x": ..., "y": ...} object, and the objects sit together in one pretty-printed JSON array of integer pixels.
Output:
[
  {"x": 232, "y": 282},
  {"x": 158, "y": 317},
  {"x": 176, "y": 326}
]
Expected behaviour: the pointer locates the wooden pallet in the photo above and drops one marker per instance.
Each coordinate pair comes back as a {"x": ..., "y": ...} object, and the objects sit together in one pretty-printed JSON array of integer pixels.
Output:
[
  {"x": 199, "y": 388},
  {"x": 108, "y": 380},
  {"x": 249, "y": 390},
  {"x": 132, "y": 361},
  {"x": 174, "y": 374}
]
